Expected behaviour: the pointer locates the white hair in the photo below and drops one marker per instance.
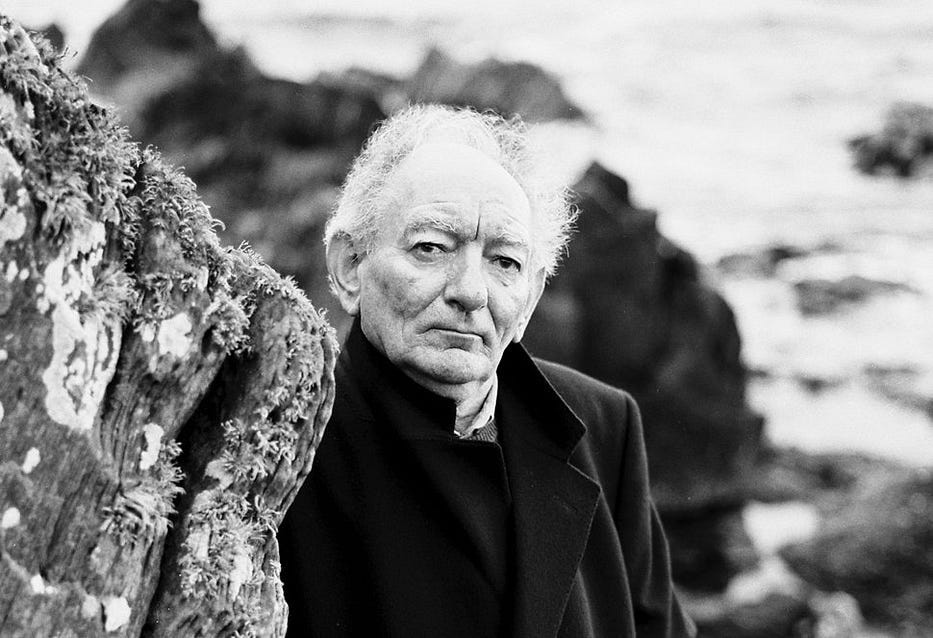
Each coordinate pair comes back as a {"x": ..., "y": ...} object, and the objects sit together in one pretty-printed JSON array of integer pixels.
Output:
[{"x": 363, "y": 200}]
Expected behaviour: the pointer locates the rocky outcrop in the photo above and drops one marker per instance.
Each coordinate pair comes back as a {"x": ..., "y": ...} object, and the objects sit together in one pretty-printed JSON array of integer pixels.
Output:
[
  {"x": 161, "y": 396},
  {"x": 760, "y": 263},
  {"x": 631, "y": 308},
  {"x": 904, "y": 144},
  {"x": 508, "y": 88},
  {"x": 267, "y": 154},
  {"x": 146, "y": 37},
  {"x": 879, "y": 549},
  {"x": 824, "y": 296},
  {"x": 142, "y": 49}
]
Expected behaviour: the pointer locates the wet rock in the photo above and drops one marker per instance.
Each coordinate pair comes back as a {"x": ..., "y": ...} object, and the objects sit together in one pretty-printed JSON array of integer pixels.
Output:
[
  {"x": 829, "y": 479},
  {"x": 836, "y": 615},
  {"x": 776, "y": 616},
  {"x": 505, "y": 87},
  {"x": 903, "y": 384},
  {"x": 879, "y": 549},
  {"x": 709, "y": 548},
  {"x": 631, "y": 308},
  {"x": 763, "y": 263},
  {"x": 144, "y": 47},
  {"x": 644, "y": 320},
  {"x": 388, "y": 91},
  {"x": 815, "y": 384},
  {"x": 825, "y": 296},
  {"x": 903, "y": 146},
  {"x": 226, "y": 98}
]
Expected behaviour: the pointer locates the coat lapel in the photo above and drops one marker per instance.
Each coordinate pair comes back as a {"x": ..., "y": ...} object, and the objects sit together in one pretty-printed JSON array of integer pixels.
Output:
[{"x": 553, "y": 502}]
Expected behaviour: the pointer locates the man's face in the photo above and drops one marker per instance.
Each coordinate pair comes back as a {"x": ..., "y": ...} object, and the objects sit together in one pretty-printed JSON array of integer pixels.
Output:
[{"x": 450, "y": 282}]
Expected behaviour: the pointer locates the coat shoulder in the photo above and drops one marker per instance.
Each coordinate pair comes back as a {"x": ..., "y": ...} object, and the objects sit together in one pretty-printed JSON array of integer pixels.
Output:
[
  {"x": 579, "y": 390},
  {"x": 605, "y": 410}
]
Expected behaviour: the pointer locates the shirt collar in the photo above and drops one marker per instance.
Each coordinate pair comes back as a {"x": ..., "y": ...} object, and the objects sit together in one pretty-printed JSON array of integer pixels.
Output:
[{"x": 486, "y": 411}]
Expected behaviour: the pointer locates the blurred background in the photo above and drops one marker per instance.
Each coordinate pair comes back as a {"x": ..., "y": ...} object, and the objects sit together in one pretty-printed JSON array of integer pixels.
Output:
[{"x": 754, "y": 258}]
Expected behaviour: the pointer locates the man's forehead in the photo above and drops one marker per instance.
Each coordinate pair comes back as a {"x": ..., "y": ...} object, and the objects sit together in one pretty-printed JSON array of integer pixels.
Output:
[{"x": 451, "y": 171}]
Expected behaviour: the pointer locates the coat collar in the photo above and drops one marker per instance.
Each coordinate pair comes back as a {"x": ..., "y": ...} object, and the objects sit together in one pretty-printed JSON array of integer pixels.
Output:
[{"x": 553, "y": 502}]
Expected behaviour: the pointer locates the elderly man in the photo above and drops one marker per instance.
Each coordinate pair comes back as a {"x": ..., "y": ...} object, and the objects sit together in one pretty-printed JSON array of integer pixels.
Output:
[{"x": 463, "y": 488}]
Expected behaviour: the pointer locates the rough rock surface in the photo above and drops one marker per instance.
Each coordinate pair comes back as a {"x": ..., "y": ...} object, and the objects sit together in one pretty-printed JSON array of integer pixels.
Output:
[
  {"x": 140, "y": 360},
  {"x": 879, "y": 549}
]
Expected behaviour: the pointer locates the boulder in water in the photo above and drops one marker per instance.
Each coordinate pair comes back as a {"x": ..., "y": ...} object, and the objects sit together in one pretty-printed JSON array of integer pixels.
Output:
[
  {"x": 508, "y": 88},
  {"x": 879, "y": 549}
]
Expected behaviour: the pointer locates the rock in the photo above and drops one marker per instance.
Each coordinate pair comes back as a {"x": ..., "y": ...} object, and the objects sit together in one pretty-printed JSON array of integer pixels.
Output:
[
  {"x": 388, "y": 91},
  {"x": 815, "y": 384},
  {"x": 763, "y": 263},
  {"x": 836, "y": 615},
  {"x": 225, "y": 96},
  {"x": 709, "y": 548},
  {"x": 904, "y": 144},
  {"x": 879, "y": 549},
  {"x": 828, "y": 480},
  {"x": 161, "y": 396},
  {"x": 825, "y": 296},
  {"x": 903, "y": 384},
  {"x": 777, "y": 616},
  {"x": 505, "y": 87},
  {"x": 630, "y": 308},
  {"x": 774, "y": 603},
  {"x": 644, "y": 320},
  {"x": 148, "y": 39}
]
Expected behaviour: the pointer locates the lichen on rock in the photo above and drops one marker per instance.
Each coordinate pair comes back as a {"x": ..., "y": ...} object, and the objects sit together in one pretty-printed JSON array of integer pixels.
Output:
[{"x": 113, "y": 281}]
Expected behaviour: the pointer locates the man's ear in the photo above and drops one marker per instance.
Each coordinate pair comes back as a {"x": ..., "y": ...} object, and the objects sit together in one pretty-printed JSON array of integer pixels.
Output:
[
  {"x": 534, "y": 296},
  {"x": 343, "y": 267}
]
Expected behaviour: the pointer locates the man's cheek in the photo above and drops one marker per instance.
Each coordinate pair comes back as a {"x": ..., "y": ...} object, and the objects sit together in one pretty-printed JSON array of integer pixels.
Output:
[{"x": 406, "y": 295}]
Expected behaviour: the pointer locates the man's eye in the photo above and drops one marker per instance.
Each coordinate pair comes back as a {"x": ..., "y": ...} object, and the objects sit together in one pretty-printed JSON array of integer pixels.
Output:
[
  {"x": 428, "y": 248},
  {"x": 507, "y": 263}
]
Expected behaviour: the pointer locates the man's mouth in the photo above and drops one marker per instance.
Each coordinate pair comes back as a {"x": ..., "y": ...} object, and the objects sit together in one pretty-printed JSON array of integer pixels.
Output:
[{"x": 456, "y": 334}]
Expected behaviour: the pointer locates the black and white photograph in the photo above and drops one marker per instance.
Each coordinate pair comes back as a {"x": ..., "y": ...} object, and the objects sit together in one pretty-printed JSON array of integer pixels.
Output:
[{"x": 488, "y": 319}]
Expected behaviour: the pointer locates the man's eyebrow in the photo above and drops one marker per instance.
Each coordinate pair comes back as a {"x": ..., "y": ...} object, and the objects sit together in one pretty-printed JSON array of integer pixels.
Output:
[
  {"x": 505, "y": 237},
  {"x": 435, "y": 222}
]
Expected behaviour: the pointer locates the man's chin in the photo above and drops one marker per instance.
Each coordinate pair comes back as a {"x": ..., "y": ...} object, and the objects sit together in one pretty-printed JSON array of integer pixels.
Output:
[{"x": 453, "y": 369}]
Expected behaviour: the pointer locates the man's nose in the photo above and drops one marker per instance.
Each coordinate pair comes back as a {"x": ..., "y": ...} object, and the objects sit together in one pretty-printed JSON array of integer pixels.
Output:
[{"x": 466, "y": 282}]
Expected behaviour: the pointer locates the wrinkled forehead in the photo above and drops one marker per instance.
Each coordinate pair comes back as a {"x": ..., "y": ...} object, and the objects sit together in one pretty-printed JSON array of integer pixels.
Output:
[{"x": 447, "y": 181}]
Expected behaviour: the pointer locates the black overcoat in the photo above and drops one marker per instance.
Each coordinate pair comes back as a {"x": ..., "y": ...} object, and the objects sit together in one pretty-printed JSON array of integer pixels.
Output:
[{"x": 402, "y": 529}]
